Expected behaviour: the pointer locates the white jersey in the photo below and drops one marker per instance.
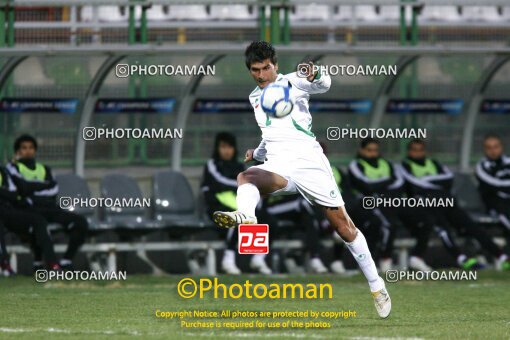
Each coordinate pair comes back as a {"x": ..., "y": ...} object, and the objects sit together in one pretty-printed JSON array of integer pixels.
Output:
[
  {"x": 289, "y": 147},
  {"x": 295, "y": 127}
]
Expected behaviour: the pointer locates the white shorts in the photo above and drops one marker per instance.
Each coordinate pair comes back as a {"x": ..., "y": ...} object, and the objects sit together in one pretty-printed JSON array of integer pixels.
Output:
[{"x": 308, "y": 171}]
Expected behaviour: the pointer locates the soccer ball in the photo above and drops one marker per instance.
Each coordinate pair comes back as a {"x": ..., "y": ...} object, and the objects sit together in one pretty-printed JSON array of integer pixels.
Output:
[{"x": 276, "y": 101}]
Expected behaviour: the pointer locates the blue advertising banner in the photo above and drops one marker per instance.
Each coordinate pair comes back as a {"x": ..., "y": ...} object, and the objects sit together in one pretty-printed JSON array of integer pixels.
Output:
[
  {"x": 142, "y": 105},
  {"x": 39, "y": 105},
  {"x": 243, "y": 105},
  {"x": 222, "y": 106},
  {"x": 341, "y": 105},
  {"x": 495, "y": 106},
  {"x": 439, "y": 106}
]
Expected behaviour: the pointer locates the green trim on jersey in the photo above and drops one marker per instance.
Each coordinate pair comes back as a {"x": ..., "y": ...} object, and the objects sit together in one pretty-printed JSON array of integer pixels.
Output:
[
  {"x": 255, "y": 90},
  {"x": 300, "y": 128},
  {"x": 268, "y": 120}
]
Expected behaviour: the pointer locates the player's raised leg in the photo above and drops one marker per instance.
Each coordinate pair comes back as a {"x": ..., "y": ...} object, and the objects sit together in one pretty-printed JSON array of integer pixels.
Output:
[
  {"x": 251, "y": 184},
  {"x": 357, "y": 244}
]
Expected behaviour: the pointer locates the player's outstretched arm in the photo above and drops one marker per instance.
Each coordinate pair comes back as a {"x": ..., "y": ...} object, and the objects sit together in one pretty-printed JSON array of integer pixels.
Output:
[{"x": 310, "y": 79}]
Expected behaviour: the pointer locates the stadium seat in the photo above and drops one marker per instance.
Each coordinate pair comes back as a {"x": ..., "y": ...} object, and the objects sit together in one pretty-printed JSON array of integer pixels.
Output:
[
  {"x": 188, "y": 12},
  {"x": 467, "y": 197},
  {"x": 105, "y": 13},
  {"x": 363, "y": 13},
  {"x": 231, "y": 12},
  {"x": 440, "y": 13},
  {"x": 311, "y": 12},
  {"x": 392, "y": 13},
  {"x": 173, "y": 201},
  {"x": 74, "y": 186},
  {"x": 344, "y": 13},
  {"x": 505, "y": 13},
  {"x": 158, "y": 13},
  {"x": 480, "y": 13},
  {"x": 119, "y": 186},
  {"x": 366, "y": 13}
]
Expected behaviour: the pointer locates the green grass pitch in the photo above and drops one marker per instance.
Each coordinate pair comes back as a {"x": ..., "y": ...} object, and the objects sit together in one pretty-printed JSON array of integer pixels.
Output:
[{"x": 430, "y": 310}]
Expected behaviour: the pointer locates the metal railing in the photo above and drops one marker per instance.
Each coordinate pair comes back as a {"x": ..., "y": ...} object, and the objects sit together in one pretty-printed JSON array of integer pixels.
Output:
[{"x": 270, "y": 20}]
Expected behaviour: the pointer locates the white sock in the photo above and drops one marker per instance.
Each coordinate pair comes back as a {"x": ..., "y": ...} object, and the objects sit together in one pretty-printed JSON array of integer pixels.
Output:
[
  {"x": 461, "y": 258},
  {"x": 359, "y": 249},
  {"x": 248, "y": 196},
  {"x": 229, "y": 256},
  {"x": 258, "y": 257}
]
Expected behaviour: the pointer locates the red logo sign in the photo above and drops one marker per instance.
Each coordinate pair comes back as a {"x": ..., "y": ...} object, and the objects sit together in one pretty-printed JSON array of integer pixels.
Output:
[{"x": 253, "y": 238}]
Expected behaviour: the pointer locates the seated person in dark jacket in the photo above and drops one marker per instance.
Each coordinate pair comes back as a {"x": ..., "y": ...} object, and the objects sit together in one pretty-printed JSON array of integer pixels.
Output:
[
  {"x": 493, "y": 174},
  {"x": 429, "y": 178},
  {"x": 36, "y": 184},
  {"x": 219, "y": 187},
  {"x": 373, "y": 176},
  {"x": 25, "y": 224}
]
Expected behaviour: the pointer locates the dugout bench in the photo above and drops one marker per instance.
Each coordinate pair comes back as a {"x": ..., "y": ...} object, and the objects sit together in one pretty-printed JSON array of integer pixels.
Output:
[{"x": 111, "y": 250}]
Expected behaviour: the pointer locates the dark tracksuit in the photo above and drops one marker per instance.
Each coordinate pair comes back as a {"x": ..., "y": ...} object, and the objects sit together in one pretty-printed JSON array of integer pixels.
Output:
[
  {"x": 379, "y": 178},
  {"x": 494, "y": 187},
  {"x": 20, "y": 221},
  {"x": 428, "y": 178},
  {"x": 219, "y": 187},
  {"x": 36, "y": 184},
  {"x": 296, "y": 209}
]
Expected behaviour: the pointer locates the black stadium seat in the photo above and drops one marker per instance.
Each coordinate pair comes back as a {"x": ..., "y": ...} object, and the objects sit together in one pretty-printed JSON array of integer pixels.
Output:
[
  {"x": 118, "y": 186},
  {"x": 173, "y": 203},
  {"x": 466, "y": 192}
]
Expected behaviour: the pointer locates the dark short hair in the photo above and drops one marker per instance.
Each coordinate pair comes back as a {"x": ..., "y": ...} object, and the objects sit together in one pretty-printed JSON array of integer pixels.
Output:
[
  {"x": 258, "y": 51},
  {"x": 23, "y": 139},
  {"x": 225, "y": 137},
  {"x": 366, "y": 141},
  {"x": 415, "y": 141},
  {"x": 491, "y": 136}
]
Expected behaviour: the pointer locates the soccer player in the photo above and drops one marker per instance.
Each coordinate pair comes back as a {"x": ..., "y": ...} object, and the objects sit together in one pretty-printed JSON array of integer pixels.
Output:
[
  {"x": 374, "y": 176},
  {"x": 493, "y": 173},
  {"x": 294, "y": 163},
  {"x": 219, "y": 187},
  {"x": 432, "y": 179},
  {"x": 21, "y": 222},
  {"x": 35, "y": 183}
]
